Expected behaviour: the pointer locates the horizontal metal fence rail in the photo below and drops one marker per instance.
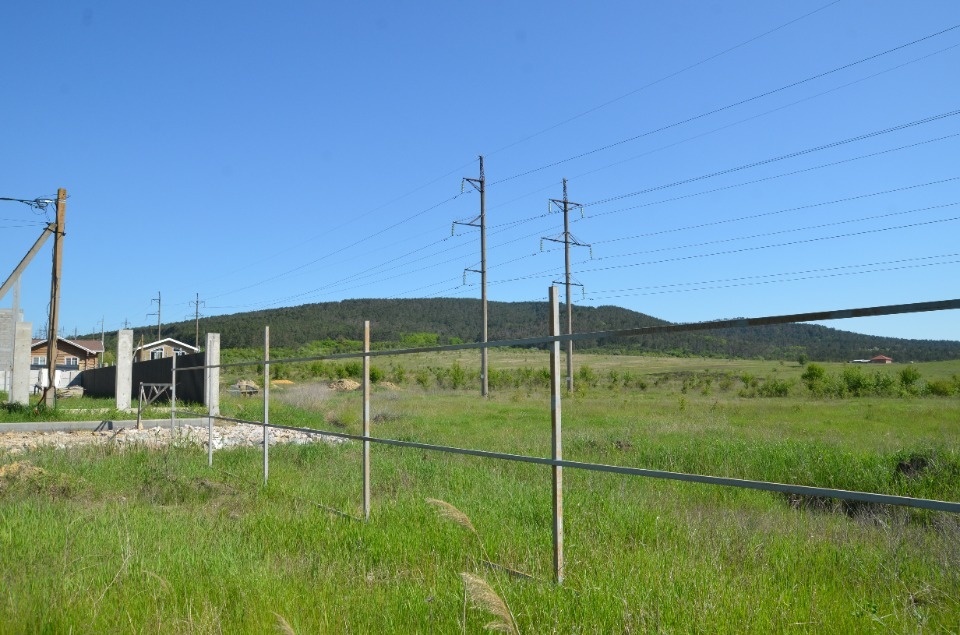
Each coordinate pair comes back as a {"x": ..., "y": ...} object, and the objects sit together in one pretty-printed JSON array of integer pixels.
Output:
[
  {"x": 784, "y": 488},
  {"x": 557, "y": 463},
  {"x": 816, "y": 316}
]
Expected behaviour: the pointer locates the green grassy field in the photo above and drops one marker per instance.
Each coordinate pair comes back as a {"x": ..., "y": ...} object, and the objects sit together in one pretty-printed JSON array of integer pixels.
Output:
[{"x": 102, "y": 540}]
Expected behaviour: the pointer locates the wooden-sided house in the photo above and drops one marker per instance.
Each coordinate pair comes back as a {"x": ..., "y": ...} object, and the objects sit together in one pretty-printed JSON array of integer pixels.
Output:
[
  {"x": 71, "y": 354},
  {"x": 167, "y": 347}
]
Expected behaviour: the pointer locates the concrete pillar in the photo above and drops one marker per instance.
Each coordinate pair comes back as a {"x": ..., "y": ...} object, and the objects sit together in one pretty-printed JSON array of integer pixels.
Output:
[
  {"x": 124, "y": 387},
  {"x": 20, "y": 388},
  {"x": 211, "y": 376}
]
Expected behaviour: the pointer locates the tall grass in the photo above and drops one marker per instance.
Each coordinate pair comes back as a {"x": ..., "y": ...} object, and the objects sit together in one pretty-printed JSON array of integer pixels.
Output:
[{"x": 104, "y": 540}]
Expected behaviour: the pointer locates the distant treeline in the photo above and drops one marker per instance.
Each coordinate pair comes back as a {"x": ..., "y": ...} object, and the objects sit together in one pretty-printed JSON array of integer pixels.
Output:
[{"x": 424, "y": 322}]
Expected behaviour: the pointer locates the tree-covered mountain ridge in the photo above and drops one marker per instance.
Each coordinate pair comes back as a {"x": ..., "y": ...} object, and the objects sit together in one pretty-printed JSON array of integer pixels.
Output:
[{"x": 452, "y": 320}]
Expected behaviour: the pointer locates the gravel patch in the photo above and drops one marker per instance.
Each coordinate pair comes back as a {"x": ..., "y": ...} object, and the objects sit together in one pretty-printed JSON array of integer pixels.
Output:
[{"x": 227, "y": 436}]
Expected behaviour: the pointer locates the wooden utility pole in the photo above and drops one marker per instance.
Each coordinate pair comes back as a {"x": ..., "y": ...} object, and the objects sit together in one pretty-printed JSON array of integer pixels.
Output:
[
  {"x": 567, "y": 239},
  {"x": 50, "y": 394},
  {"x": 481, "y": 222}
]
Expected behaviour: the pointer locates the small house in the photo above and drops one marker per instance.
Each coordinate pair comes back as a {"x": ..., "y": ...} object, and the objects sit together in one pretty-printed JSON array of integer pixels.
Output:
[
  {"x": 168, "y": 347},
  {"x": 72, "y": 355},
  {"x": 881, "y": 359}
]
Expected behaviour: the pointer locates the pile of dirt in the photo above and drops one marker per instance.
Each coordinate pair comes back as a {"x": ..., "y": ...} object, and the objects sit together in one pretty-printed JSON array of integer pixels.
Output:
[{"x": 344, "y": 385}]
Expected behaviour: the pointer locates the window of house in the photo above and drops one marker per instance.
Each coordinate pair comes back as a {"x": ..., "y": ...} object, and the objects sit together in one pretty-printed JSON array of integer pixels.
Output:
[
  {"x": 39, "y": 360},
  {"x": 72, "y": 361},
  {"x": 156, "y": 353},
  {"x": 179, "y": 351}
]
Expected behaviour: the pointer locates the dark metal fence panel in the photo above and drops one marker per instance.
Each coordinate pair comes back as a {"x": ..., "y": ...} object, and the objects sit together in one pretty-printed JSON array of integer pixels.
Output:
[
  {"x": 98, "y": 382},
  {"x": 101, "y": 382}
]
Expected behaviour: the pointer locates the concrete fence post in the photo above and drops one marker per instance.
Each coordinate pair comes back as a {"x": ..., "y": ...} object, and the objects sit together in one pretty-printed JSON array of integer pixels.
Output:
[
  {"x": 20, "y": 384},
  {"x": 556, "y": 437},
  {"x": 366, "y": 421},
  {"x": 123, "y": 388},
  {"x": 211, "y": 375},
  {"x": 266, "y": 403}
]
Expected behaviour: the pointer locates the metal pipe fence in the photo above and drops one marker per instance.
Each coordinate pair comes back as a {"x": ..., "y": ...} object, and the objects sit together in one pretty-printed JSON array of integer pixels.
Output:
[{"x": 556, "y": 461}]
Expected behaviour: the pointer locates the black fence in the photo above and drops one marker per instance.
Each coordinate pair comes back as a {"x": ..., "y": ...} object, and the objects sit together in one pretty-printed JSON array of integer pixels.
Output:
[{"x": 102, "y": 382}]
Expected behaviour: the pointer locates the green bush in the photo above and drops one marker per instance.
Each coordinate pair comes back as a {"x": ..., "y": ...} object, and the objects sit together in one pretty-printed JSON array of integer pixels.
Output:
[
  {"x": 457, "y": 377},
  {"x": 941, "y": 387},
  {"x": 884, "y": 384},
  {"x": 814, "y": 376},
  {"x": 774, "y": 387},
  {"x": 423, "y": 378},
  {"x": 909, "y": 376},
  {"x": 855, "y": 382}
]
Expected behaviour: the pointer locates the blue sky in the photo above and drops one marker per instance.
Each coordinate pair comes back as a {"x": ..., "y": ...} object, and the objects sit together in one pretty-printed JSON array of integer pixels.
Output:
[{"x": 732, "y": 158}]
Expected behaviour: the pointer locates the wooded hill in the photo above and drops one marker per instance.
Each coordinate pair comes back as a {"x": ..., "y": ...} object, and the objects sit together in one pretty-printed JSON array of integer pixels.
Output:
[{"x": 452, "y": 320}]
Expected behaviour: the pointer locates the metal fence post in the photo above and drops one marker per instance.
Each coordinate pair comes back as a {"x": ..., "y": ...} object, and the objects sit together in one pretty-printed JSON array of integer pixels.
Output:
[
  {"x": 266, "y": 404},
  {"x": 366, "y": 420},
  {"x": 173, "y": 393},
  {"x": 556, "y": 450},
  {"x": 207, "y": 380}
]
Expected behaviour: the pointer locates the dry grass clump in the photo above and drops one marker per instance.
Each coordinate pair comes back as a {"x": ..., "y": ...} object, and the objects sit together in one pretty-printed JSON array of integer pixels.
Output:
[
  {"x": 483, "y": 597},
  {"x": 475, "y": 589},
  {"x": 284, "y": 626},
  {"x": 450, "y": 512},
  {"x": 18, "y": 471}
]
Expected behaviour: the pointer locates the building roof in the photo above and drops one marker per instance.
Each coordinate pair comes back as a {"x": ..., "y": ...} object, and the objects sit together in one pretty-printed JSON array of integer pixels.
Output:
[
  {"x": 169, "y": 341},
  {"x": 93, "y": 347},
  {"x": 878, "y": 358}
]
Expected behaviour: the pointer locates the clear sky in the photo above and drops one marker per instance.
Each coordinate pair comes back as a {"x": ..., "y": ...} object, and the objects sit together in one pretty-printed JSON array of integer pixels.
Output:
[{"x": 732, "y": 158}]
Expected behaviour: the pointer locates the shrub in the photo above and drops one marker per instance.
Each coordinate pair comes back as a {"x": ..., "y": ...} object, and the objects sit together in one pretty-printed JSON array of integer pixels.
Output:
[
  {"x": 855, "y": 382},
  {"x": 884, "y": 384},
  {"x": 376, "y": 374},
  {"x": 423, "y": 378},
  {"x": 814, "y": 377},
  {"x": 457, "y": 377},
  {"x": 941, "y": 387},
  {"x": 909, "y": 377},
  {"x": 774, "y": 387},
  {"x": 587, "y": 376}
]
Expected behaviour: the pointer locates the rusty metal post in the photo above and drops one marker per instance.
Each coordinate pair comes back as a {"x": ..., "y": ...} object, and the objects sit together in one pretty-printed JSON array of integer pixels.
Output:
[
  {"x": 556, "y": 446},
  {"x": 366, "y": 421}
]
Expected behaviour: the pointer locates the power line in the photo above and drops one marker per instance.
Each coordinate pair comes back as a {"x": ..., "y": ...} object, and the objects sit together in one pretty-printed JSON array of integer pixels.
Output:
[
  {"x": 779, "y": 232},
  {"x": 748, "y": 281},
  {"x": 340, "y": 250},
  {"x": 540, "y": 274},
  {"x": 782, "y": 157},
  {"x": 779, "y": 211},
  {"x": 664, "y": 78},
  {"x": 727, "y": 107}
]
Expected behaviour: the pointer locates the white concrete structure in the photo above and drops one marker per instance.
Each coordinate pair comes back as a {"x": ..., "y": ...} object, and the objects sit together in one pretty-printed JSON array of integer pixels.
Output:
[
  {"x": 124, "y": 386},
  {"x": 20, "y": 388},
  {"x": 211, "y": 376}
]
